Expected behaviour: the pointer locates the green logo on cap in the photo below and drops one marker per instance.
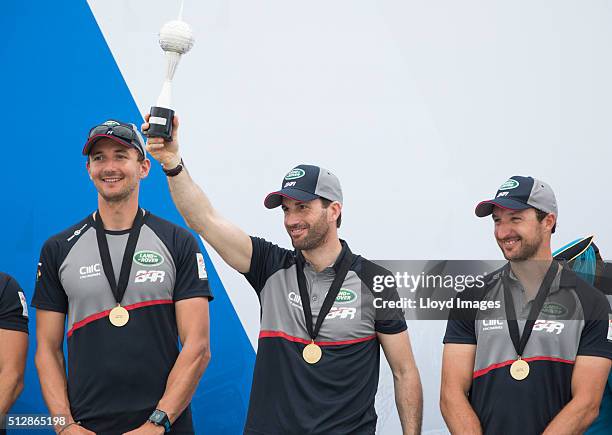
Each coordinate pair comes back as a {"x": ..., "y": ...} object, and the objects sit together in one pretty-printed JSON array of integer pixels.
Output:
[
  {"x": 294, "y": 174},
  {"x": 345, "y": 296},
  {"x": 148, "y": 258},
  {"x": 554, "y": 309},
  {"x": 510, "y": 184}
]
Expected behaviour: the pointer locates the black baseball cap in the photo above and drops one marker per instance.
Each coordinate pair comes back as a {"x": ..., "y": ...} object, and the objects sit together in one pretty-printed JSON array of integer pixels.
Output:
[
  {"x": 121, "y": 132},
  {"x": 306, "y": 183},
  {"x": 520, "y": 193}
]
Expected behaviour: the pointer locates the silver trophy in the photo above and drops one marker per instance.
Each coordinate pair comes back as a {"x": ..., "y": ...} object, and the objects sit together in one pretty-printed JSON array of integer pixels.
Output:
[{"x": 176, "y": 39}]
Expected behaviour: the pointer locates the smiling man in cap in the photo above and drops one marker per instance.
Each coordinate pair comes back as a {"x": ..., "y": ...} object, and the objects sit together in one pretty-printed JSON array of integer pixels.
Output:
[
  {"x": 130, "y": 285},
  {"x": 539, "y": 360},
  {"x": 318, "y": 354}
]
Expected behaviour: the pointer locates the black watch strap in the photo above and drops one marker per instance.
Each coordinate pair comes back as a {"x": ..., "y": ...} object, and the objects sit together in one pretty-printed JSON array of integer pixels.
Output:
[
  {"x": 160, "y": 418},
  {"x": 174, "y": 171}
]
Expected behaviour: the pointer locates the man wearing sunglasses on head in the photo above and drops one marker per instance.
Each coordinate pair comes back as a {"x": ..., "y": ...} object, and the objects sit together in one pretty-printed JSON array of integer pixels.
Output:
[{"x": 130, "y": 285}]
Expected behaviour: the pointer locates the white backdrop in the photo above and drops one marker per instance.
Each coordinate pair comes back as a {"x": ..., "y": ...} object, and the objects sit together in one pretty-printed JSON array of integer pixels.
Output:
[{"x": 422, "y": 108}]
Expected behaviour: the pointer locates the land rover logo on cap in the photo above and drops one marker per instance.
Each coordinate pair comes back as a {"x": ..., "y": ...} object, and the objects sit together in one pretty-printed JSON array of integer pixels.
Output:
[
  {"x": 148, "y": 258},
  {"x": 345, "y": 296},
  {"x": 111, "y": 123},
  {"x": 294, "y": 174},
  {"x": 510, "y": 184}
]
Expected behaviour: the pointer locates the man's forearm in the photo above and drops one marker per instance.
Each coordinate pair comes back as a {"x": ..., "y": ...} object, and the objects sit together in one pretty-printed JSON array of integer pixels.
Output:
[
  {"x": 574, "y": 418},
  {"x": 191, "y": 201},
  {"x": 409, "y": 402},
  {"x": 11, "y": 384},
  {"x": 459, "y": 414},
  {"x": 183, "y": 380},
  {"x": 53, "y": 384}
]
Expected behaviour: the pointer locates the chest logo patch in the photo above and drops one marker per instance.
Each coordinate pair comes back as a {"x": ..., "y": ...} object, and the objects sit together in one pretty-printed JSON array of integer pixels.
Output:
[
  {"x": 148, "y": 258},
  {"x": 548, "y": 326},
  {"x": 346, "y": 296},
  {"x": 554, "y": 309}
]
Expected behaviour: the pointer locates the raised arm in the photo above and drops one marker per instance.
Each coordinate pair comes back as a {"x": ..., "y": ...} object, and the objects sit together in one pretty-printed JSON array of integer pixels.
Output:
[{"x": 232, "y": 244}]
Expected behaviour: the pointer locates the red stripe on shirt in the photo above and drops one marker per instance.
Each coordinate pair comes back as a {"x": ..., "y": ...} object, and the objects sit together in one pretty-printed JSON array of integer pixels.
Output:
[
  {"x": 103, "y": 314},
  {"x": 280, "y": 334},
  {"x": 509, "y": 362}
]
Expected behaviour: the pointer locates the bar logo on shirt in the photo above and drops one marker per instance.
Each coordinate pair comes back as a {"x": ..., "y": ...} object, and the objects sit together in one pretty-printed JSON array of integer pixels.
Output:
[
  {"x": 202, "y": 274},
  {"x": 610, "y": 327},
  {"x": 24, "y": 304}
]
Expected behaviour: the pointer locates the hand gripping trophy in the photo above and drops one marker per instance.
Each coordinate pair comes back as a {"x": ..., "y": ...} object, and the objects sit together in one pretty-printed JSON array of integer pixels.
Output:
[{"x": 176, "y": 39}]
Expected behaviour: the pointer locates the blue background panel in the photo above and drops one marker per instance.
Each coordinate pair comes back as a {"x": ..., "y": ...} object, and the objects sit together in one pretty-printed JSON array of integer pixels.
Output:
[{"x": 59, "y": 79}]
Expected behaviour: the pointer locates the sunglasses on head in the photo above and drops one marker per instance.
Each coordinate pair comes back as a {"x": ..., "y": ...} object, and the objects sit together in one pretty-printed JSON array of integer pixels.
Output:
[{"x": 121, "y": 131}]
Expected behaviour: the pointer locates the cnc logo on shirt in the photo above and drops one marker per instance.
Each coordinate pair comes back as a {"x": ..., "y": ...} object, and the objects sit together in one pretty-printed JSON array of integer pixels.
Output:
[
  {"x": 295, "y": 300},
  {"x": 90, "y": 271},
  {"x": 492, "y": 325},
  {"x": 24, "y": 304},
  {"x": 346, "y": 296},
  {"x": 148, "y": 258},
  {"x": 549, "y": 326},
  {"x": 150, "y": 276},
  {"x": 341, "y": 313}
]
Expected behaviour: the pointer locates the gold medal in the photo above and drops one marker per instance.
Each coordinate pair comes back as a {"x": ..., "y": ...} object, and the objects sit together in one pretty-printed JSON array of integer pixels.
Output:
[
  {"x": 119, "y": 316},
  {"x": 312, "y": 353},
  {"x": 519, "y": 369}
]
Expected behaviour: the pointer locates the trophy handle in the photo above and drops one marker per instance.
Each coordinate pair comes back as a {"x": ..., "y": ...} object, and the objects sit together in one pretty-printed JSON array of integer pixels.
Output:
[{"x": 160, "y": 123}]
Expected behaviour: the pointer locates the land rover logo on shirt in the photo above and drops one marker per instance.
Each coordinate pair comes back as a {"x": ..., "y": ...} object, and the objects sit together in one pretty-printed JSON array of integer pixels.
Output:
[
  {"x": 294, "y": 174},
  {"x": 554, "y": 309},
  {"x": 345, "y": 296},
  {"x": 148, "y": 258},
  {"x": 510, "y": 184}
]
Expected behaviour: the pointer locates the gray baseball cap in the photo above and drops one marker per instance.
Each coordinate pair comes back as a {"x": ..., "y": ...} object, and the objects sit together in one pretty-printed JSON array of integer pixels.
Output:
[
  {"x": 305, "y": 183},
  {"x": 519, "y": 193}
]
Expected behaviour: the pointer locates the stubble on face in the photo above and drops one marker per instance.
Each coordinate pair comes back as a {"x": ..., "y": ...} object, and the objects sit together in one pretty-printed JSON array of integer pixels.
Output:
[{"x": 316, "y": 234}]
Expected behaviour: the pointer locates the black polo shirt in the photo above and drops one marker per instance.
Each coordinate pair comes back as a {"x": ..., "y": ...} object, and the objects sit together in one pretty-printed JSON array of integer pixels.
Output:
[
  {"x": 572, "y": 322},
  {"x": 336, "y": 395},
  {"x": 116, "y": 376}
]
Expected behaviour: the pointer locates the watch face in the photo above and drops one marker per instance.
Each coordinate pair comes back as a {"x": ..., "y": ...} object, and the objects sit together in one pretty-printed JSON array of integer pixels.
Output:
[{"x": 157, "y": 416}]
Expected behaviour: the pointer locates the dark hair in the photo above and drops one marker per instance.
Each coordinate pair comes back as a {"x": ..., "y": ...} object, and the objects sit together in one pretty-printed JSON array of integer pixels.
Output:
[
  {"x": 540, "y": 215},
  {"x": 326, "y": 203}
]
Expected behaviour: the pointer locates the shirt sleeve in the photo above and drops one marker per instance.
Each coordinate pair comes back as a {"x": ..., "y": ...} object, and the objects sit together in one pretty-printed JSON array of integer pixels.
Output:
[
  {"x": 13, "y": 306},
  {"x": 266, "y": 259},
  {"x": 49, "y": 294},
  {"x": 460, "y": 327},
  {"x": 191, "y": 275},
  {"x": 596, "y": 337}
]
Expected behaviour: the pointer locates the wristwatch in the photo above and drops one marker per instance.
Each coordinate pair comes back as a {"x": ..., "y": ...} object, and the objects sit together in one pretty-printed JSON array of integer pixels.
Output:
[
  {"x": 174, "y": 171},
  {"x": 160, "y": 418}
]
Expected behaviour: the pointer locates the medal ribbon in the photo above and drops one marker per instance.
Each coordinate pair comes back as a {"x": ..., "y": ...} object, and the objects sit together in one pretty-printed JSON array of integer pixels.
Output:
[
  {"x": 334, "y": 289},
  {"x": 520, "y": 342},
  {"x": 126, "y": 265}
]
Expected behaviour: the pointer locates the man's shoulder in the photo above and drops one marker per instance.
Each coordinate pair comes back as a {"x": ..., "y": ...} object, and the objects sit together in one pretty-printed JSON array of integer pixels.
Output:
[
  {"x": 6, "y": 281},
  {"x": 156, "y": 222},
  {"x": 68, "y": 236}
]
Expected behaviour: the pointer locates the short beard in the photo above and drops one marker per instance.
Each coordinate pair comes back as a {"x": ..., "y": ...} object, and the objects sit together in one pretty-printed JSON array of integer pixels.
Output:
[
  {"x": 528, "y": 251},
  {"x": 119, "y": 196},
  {"x": 315, "y": 237}
]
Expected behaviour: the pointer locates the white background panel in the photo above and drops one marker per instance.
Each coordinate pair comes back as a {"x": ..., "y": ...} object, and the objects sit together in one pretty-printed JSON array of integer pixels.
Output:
[{"x": 421, "y": 108}]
